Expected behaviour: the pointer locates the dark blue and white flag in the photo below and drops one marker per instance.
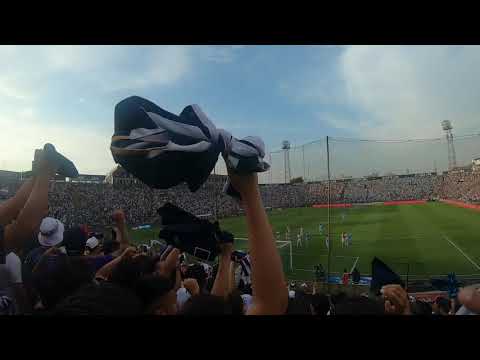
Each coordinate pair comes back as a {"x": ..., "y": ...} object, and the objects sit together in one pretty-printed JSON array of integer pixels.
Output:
[{"x": 163, "y": 149}]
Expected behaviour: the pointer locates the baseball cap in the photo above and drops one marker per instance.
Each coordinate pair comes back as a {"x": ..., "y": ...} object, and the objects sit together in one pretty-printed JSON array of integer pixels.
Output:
[
  {"x": 92, "y": 243},
  {"x": 51, "y": 232}
]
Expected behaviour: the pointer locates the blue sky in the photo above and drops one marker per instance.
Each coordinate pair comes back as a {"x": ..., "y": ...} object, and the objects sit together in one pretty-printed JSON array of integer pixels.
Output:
[{"x": 66, "y": 94}]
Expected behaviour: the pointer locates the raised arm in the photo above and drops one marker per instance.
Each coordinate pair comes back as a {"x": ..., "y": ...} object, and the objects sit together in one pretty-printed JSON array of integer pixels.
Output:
[
  {"x": 106, "y": 270},
  {"x": 221, "y": 286},
  {"x": 10, "y": 209},
  {"x": 32, "y": 213},
  {"x": 121, "y": 224},
  {"x": 231, "y": 276},
  {"x": 270, "y": 297}
]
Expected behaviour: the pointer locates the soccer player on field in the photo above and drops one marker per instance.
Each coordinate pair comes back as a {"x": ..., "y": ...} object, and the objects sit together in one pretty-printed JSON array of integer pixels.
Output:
[
  {"x": 327, "y": 242},
  {"x": 349, "y": 239},
  {"x": 320, "y": 228},
  {"x": 307, "y": 239},
  {"x": 343, "y": 239},
  {"x": 299, "y": 240}
]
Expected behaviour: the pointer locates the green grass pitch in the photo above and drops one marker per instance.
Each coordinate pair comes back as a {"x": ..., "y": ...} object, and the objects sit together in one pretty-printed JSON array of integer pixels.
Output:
[{"x": 433, "y": 239}]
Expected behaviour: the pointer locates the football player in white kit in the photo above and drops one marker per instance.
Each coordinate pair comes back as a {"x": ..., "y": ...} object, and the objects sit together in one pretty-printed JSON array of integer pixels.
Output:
[{"x": 299, "y": 240}]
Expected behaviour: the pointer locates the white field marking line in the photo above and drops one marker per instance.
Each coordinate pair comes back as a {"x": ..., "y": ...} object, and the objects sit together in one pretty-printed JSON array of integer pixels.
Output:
[
  {"x": 466, "y": 256},
  {"x": 304, "y": 270},
  {"x": 354, "y": 264},
  {"x": 326, "y": 255}
]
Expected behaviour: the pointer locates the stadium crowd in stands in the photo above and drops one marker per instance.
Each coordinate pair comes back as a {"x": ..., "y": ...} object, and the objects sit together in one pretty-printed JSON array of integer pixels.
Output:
[
  {"x": 91, "y": 203},
  {"x": 51, "y": 264}
]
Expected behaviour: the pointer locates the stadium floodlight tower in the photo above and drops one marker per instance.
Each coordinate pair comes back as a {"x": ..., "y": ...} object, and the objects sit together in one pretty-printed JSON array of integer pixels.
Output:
[
  {"x": 452, "y": 158},
  {"x": 286, "y": 159}
]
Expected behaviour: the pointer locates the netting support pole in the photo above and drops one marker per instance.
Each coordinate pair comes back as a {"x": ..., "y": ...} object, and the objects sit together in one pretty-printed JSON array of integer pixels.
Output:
[
  {"x": 330, "y": 241},
  {"x": 215, "y": 193},
  {"x": 303, "y": 158},
  {"x": 271, "y": 165},
  {"x": 291, "y": 257}
]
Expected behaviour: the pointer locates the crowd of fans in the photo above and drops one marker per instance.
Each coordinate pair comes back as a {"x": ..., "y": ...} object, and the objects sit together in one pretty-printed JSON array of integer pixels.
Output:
[{"x": 50, "y": 263}]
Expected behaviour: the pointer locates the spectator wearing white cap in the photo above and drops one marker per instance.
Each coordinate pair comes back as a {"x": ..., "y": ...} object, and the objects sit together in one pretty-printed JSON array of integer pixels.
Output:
[
  {"x": 51, "y": 232},
  {"x": 93, "y": 247}
]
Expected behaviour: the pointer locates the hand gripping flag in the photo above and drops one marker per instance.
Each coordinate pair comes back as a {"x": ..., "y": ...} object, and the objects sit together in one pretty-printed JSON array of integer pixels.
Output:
[{"x": 163, "y": 149}]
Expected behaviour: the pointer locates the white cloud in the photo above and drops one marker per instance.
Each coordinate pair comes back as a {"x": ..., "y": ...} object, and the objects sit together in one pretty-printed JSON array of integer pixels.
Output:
[
  {"x": 408, "y": 90},
  {"x": 25, "y": 69},
  {"x": 218, "y": 54},
  {"x": 32, "y": 77},
  {"x": 87, "y": 148}
]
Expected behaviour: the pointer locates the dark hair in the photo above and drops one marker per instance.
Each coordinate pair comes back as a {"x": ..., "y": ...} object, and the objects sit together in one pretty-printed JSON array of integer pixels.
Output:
[
  {"x": 300, "y": 304},
  {"x": 206, "y": 305},
  {"x": 150, "y": 287},
  {"x": 320, "y": 304},
  {"x": 359, "y": 305},
  {"x": 443, "y": 304},
  {"x": 421, "y": 308},
  {"x": 59, "y": 276},
  {"x": 105, "y": 299},
  {"x": 130, "y": 270},
  {"x": 75, "y": 241}
]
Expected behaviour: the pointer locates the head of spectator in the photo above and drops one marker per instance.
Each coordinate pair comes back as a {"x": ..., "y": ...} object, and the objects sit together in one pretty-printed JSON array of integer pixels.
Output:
[
  {"x": 93, "y": 247},
  {"x": 441, "y": 306},
  {"x": 57, "y": 275},
  {"x": 131, "y": 269},
  {"x": 104, "y": 299},
  {"x": 421, "y": 307},
  {"x": 51, "y": 232},
  {"x": 74, "y": 240},
  {"x": 300, "y": 304},
  {"x": 320, "y": 304},
  {"x": 359, "y": 305},
  {"x": 158, "y": 294}
]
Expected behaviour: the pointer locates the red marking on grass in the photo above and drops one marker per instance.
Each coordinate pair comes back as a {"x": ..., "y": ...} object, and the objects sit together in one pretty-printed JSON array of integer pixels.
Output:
[{"x": 461, "y": 204}]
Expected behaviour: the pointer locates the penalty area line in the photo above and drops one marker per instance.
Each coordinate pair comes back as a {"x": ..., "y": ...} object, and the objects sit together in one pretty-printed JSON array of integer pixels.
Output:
[{"x": 461, "y": 251}]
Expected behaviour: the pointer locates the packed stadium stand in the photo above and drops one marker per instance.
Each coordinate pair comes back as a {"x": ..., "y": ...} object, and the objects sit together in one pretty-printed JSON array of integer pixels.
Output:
[{"x": 89, "y": 202}]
